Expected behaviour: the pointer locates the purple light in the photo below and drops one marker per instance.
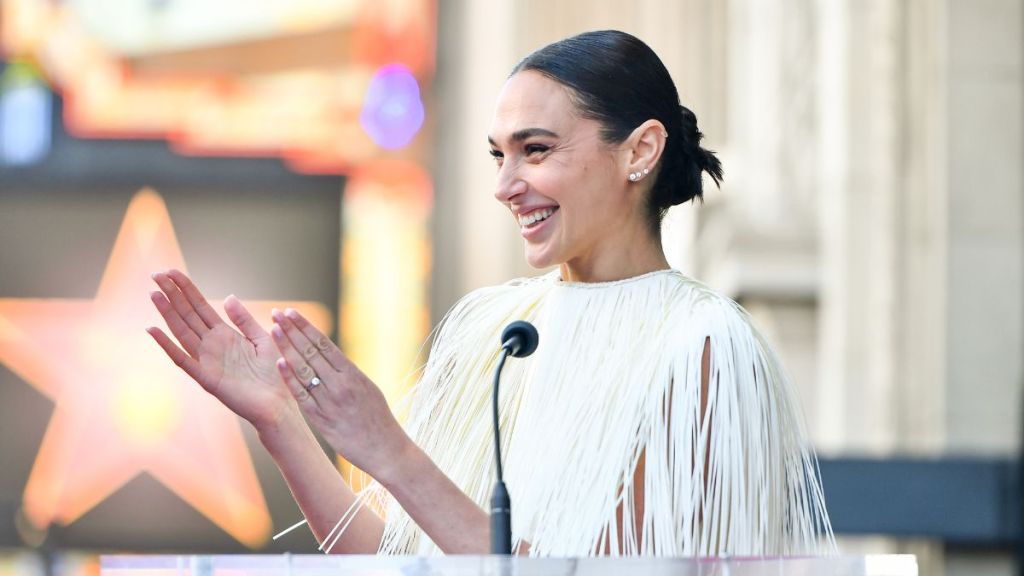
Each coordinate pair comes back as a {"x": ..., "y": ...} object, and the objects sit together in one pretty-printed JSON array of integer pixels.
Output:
[{"x": 392, "y": 111}]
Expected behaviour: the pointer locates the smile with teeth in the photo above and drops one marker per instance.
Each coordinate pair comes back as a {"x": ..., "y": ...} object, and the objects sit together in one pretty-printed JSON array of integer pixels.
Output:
[{"x": 536, "y": 216}]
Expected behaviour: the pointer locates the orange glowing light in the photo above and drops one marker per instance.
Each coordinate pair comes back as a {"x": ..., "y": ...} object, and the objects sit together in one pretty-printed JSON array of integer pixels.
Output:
[{"x": 121, "y": 407}]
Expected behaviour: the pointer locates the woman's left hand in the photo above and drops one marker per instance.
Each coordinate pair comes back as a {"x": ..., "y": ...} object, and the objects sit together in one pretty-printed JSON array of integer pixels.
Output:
[
  {"x": 339, "y": 400},
  {"x": 352, "y": 415}
]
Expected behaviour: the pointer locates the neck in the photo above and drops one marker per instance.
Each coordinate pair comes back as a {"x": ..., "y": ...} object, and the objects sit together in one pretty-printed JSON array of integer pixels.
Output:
[{"x": 633, "y": 258}]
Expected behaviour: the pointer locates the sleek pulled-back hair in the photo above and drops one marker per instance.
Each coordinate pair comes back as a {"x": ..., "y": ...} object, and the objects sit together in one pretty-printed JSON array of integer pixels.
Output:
[{"x": 617, "y": 80}]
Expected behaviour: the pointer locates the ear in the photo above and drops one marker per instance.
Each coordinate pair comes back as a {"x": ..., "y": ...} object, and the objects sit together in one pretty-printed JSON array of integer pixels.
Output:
[{"x": 644, "y": 148}]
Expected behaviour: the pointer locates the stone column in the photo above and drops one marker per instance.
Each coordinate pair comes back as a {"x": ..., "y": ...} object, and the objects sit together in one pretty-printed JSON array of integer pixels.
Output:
[
  {"x": 858, "y": 193},
  {"x": 477, "y": 243}
]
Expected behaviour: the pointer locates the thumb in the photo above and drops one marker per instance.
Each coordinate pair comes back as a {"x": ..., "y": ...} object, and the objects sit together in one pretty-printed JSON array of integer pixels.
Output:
[{"x": 246, "y": 324}]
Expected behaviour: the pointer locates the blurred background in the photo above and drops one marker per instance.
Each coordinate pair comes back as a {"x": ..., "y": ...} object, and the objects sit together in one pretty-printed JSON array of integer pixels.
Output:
[{"x": 331, "y": 155}]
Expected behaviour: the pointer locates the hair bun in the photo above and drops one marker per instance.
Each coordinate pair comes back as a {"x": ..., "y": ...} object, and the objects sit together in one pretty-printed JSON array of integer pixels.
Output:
[
  {"x": 704, "y": 160},
  {"x": 688, "y": 125}
]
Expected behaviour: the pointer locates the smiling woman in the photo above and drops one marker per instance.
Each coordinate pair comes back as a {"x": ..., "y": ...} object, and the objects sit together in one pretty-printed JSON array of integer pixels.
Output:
[{"x": 653, "y": 418}]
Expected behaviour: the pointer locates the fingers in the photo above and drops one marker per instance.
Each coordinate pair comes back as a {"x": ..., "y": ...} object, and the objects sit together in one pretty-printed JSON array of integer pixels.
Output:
[
  {"x": 302, "y": 355},
  {"x": 323, "y": 344},
  {"x": 240, "y": 317},
  {"x": 302, "y": 370},
  {"x": 298, "y": 388},
  {"x": 177, "y": 355},
  {"x": 181, "y": 304},
  {"x": 195, "y": 298},
  {"x": 181, "y": 330}
]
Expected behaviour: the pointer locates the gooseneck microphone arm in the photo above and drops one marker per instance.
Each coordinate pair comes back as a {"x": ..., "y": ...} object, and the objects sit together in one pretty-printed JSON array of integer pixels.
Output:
[
  {"x": 518, "y": 339},
  {"x": 501, "y": 505},
  {"x": 497, "y": 437}
]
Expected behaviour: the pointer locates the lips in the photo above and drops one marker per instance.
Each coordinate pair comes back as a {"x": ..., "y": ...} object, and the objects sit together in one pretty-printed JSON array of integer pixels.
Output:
[{"x": 532, "y": 224}]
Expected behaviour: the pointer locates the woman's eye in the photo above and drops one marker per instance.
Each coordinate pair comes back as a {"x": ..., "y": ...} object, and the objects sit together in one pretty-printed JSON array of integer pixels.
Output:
[
  {"x": 497, "y": 156},
  {"x": 536, "y": 149}
]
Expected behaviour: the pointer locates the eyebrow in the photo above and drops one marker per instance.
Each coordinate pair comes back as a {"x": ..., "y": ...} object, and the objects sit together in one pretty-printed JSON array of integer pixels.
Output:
[{"x": 525, "y": 133}]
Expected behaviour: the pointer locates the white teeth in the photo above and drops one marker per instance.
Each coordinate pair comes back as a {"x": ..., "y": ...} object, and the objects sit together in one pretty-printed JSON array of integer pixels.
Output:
[{"x": 536, "y": 216}]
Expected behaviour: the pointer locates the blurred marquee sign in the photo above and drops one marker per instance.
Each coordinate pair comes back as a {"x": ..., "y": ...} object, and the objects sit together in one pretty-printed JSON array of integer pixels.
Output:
[
  {"x": 133, "y": 28},
  {"x": 269, "y": 85},
  {"x": 329, "y": 86}
]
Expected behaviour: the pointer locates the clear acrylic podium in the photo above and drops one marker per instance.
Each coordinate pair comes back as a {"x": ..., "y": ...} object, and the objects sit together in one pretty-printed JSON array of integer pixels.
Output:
[{"x": 320, "y": 565}]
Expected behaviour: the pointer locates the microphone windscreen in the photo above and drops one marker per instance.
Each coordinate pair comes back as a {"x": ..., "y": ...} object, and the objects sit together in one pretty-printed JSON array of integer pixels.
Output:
[{"x": 521, "y": 338}]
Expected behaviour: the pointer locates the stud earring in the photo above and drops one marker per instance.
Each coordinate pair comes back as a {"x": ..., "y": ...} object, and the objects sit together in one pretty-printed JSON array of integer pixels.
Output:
[
  {"x": 632, "y": 177},
  {"x": 646, "y": 171}
]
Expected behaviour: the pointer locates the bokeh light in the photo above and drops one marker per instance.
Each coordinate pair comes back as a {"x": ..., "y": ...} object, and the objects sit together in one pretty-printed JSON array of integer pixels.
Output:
[
  {"x": 392, "y": 111},
  {"x": 25, "y": 117}
]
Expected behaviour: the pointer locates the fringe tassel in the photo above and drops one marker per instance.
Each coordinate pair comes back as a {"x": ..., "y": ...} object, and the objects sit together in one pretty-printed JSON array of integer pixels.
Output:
[{"x": 616, "y": 380}]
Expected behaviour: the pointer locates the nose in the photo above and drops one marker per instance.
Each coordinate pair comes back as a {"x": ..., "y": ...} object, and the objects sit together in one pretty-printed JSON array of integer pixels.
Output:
[{"x": 509, "y": 185}]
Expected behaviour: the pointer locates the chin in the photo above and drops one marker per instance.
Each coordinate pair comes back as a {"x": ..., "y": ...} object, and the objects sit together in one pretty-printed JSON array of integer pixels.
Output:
[{"x": 539, "y": 259}]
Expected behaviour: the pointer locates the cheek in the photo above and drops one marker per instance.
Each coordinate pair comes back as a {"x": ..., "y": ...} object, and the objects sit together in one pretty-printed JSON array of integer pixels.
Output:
[{"x": 583, "y": 194}]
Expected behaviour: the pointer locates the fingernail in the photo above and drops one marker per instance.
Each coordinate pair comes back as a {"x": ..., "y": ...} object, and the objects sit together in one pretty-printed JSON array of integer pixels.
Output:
[
  {"x": 276, "y": 314},
  {"x": 291, "y": 313},
  {"x": 276, "y": 331}
]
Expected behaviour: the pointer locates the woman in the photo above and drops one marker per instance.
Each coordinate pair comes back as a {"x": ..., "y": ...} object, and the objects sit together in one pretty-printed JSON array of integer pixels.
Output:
[{"x": 653, "y": 419}]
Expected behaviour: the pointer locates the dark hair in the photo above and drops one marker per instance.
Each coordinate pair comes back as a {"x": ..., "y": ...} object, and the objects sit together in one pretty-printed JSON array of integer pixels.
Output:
[{"x": 619, "y": 81}]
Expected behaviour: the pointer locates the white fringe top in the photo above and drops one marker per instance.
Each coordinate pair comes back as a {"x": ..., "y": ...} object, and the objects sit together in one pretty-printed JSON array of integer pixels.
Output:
[{"x": 616, "y": 379}]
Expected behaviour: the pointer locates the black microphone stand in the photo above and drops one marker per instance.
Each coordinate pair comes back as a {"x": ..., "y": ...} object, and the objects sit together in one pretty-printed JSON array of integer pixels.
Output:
[
  {"x": 518, "y": 339},
  {"x": 501, "y": 506}
]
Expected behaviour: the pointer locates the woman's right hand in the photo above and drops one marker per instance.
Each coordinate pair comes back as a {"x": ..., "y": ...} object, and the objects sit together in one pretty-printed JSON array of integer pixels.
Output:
[{"x": 238, "y": 367}]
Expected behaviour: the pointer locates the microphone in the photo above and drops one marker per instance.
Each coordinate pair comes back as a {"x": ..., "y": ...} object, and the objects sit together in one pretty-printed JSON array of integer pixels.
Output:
[{"x": 518, "y": 339}]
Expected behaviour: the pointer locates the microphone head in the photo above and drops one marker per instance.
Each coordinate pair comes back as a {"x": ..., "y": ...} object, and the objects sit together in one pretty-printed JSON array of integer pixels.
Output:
[{"x": 521, "y": 338}]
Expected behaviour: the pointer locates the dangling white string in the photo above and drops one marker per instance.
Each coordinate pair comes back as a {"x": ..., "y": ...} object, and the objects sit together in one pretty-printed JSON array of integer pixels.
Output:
[
  {"x": 339, "y": 529},
  {"x": 289, "y": 529}
]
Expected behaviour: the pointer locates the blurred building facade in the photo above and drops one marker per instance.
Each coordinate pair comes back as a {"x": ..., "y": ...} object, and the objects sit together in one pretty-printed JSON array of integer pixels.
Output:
[{"x": 872, "y": 215}]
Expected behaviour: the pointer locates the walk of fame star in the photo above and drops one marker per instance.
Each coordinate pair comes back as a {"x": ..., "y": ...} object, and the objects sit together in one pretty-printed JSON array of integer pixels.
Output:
[{"x": 121, "y": 407}]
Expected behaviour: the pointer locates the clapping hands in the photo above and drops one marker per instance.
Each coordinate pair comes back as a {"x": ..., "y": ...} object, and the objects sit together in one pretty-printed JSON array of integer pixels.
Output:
[{"x": 261, "y": 376}]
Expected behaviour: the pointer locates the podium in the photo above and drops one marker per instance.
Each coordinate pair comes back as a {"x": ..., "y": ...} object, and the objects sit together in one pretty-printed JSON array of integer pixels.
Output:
[{"x": 320, "y": 565}]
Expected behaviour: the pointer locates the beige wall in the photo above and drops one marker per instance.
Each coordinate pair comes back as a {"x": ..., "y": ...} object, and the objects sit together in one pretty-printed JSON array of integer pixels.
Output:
[{"x": 985, "y": 172}]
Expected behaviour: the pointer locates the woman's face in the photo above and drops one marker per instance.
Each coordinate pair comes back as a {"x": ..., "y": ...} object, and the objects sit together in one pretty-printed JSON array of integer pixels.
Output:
[{"x": 565, "y": 187}]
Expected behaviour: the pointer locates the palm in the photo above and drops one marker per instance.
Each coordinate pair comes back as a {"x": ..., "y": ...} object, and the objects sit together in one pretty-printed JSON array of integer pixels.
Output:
[
  {"x": 235, "y": 366},
  {"x": 239, "y": 373}
]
